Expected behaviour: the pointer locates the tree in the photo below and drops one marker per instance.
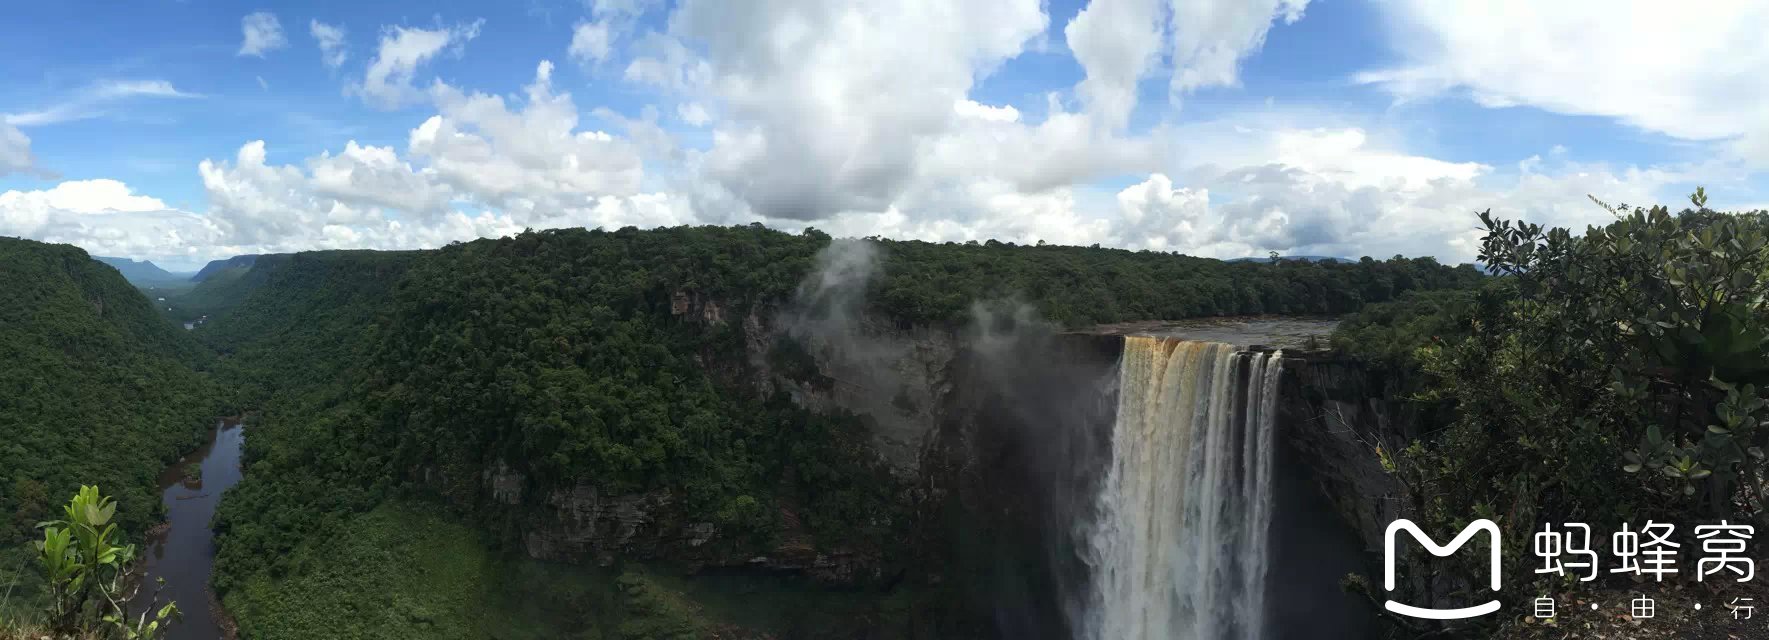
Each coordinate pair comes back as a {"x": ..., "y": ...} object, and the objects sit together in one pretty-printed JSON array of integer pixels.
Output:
[
  {"x": 90, "y": 578},
  {"x": 1616, "y": 375},
  {"x": 1672, "y": 311}
]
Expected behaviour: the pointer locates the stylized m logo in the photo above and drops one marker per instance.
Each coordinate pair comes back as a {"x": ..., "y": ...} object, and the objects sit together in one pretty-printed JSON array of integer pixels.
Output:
[{"x": 1441, "y": 551}]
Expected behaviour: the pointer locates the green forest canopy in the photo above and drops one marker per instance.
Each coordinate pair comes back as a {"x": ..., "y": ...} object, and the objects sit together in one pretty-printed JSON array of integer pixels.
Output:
[
  {"x": 96, "y": 388},
  {"x": 557, "y": 353},
  {"x": 554, "y": 351},
  {"x": 1610, "y": 377}
]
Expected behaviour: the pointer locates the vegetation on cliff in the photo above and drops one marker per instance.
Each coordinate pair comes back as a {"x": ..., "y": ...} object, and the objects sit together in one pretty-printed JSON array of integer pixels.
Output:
[
  {"x": 1612, "y": 377},
  {"x": 411, "y": 570},
  {"x": 385, "y": 380},
  {"x": 548, "y": 354},
  {"x": 143, "y": 274},
  {"x": 221, "y": 285},
  {"x": 1080, "y": 286},
  {"x": 563, "y": 357},
  {"x": 96, "y": 388}
]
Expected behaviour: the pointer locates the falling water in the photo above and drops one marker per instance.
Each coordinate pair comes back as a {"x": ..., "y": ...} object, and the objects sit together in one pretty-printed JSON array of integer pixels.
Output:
[{"x": 1179, "y": 547}]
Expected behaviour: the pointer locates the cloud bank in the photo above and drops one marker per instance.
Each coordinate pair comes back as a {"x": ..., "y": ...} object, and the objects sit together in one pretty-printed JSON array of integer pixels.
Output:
[{"x": 809, "y": 113}]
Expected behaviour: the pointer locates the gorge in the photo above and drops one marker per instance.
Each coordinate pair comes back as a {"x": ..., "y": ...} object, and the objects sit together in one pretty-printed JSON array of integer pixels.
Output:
[
  {"x": 182, "y": 551},
  {"x": 1177, "y": 542},
  {"x": 1135, "y": 482},
  {"x": 1204, "y": 519},
  {"x": 591, "y": 431},
  {"x": 995, "y": 434}
]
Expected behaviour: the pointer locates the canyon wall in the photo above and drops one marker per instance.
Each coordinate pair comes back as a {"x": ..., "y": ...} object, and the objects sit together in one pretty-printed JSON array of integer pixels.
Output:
[
  {"x": 1337, "y": 414},
  {"x": 1000, "y": 439}
]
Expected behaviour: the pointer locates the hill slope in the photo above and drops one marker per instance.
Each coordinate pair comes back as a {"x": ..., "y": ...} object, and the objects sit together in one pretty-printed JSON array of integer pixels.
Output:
[
  {"x": 217, "y": 267},
  {"x": 96, "y": 389},
  {"x": 569, "y": 361},
  {"x": 221, "y": 285},
  {"x": 142, "y": 273},
  {"x": 1268, "y": 259}
]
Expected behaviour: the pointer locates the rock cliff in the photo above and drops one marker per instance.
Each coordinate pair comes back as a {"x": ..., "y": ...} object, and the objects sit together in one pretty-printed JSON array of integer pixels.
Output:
[
  {"x": 1000, "y": 439},
  {"x": 1338, "y": 415},
  {"x": 895, "y": 378}
]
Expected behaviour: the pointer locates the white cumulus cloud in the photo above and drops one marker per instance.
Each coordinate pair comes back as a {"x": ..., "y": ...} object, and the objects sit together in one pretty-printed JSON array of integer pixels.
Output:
[
  {"x": 590, "y": 42},
  {"x": 1210, "y": 39},
  {"x": 1249, "y": 186},
  {"x": 972, "y": 109},
  {"x": 1116, "y": 42},
  {"x": 367, "y": 176},
  {"x": 330, "y": 39},
  {"x": 262, "y": 34},
  {"x": 340, "y": 201},
  {"x": 388, "y": 81},
  {"x": 482, "y": 166},
  {"x": 530, "y": 159},
  {"x": 15, "y": 151},
  {"x": 693, "y": 113},
  {"x": 823, "y": 111},
  {"x": 82, "y": 196},
  {"x": 876, "y": 117},
  {"x": 1201, "y": 43},
  {"x": 105, "y": 217},
  {"x": 1688, "y": 70}
]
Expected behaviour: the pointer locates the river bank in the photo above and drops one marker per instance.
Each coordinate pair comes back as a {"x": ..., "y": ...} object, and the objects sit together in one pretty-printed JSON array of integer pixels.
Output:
[{"x": 182, "y": 549}]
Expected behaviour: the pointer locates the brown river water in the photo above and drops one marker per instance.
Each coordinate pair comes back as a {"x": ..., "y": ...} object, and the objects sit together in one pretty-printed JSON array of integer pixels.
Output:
[{"x": 183, "y": 551}]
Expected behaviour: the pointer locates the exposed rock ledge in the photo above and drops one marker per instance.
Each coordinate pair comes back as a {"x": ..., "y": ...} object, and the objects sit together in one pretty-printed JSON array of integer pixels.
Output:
[{"x": 582, "y": 524}]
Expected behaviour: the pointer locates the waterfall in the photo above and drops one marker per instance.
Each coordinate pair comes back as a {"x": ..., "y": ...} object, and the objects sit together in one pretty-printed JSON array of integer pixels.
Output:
[{"x": 1178, "y": 549}]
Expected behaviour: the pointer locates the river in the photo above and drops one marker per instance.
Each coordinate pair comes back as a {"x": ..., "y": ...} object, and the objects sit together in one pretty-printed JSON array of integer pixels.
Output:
[{"x": 183, "y": 551}]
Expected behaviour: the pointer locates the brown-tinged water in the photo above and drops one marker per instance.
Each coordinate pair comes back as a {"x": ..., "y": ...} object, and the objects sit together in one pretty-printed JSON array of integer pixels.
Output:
[
  {"x": 1277, "y": 332},
  {"x": 183, "y": 550}
]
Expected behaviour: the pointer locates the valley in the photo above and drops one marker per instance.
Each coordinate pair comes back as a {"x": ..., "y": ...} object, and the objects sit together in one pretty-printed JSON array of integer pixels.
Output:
[
  {"x": 735, "y": 432},
  {"x": 884, "y": 320},
  {"x": 181, "y": 550}
]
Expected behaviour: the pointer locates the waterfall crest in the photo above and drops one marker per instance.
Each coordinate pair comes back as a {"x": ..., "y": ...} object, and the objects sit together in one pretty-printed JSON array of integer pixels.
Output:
[{"x": 1179, "y": 547}]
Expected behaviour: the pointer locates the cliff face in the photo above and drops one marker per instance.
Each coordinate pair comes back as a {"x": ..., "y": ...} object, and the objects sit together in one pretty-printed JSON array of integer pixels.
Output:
[
  {"x": 1333, "y": 499},
  {"x": 998, "y": 437},
  {"x": 896, "y": 379},
  {"x": 585, "y": 524},
  {"x": 1001, "y": 439},
  {"x": 1337, "y": 413},
  {"x": 1008, "y": 482}
]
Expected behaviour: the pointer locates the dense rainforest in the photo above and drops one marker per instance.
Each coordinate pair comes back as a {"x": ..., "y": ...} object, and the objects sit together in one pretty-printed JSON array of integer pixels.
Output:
[
  {"x": 562, "y": 358},
  {"x": 426, "y": 423},
  {"x": 219, "y": 285},
  {"x": 1617, "y": 376},
  {"x": 416, "y": 412},
  {"x": 95, "y": 388}
]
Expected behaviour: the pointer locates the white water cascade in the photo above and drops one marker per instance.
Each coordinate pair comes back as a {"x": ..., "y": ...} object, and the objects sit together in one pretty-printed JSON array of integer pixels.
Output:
[{"x": 1179, "y": 547}]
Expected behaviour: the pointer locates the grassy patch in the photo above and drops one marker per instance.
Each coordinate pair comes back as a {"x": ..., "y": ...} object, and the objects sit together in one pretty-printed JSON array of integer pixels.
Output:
[
  {"x": 400, "y": 571},
  {"x": 410, "y": 570}
]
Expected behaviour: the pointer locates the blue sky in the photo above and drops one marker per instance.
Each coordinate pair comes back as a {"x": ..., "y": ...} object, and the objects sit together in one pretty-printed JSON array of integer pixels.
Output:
[{"x": 1338, "y": 127}]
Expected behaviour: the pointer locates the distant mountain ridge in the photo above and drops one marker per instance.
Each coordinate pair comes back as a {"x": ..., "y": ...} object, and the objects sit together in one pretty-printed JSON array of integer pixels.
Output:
[
  {"x": 141, "y": 272},
  {"x": 1304, "y": 258},
  {"x": 218, "y": 266}
]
